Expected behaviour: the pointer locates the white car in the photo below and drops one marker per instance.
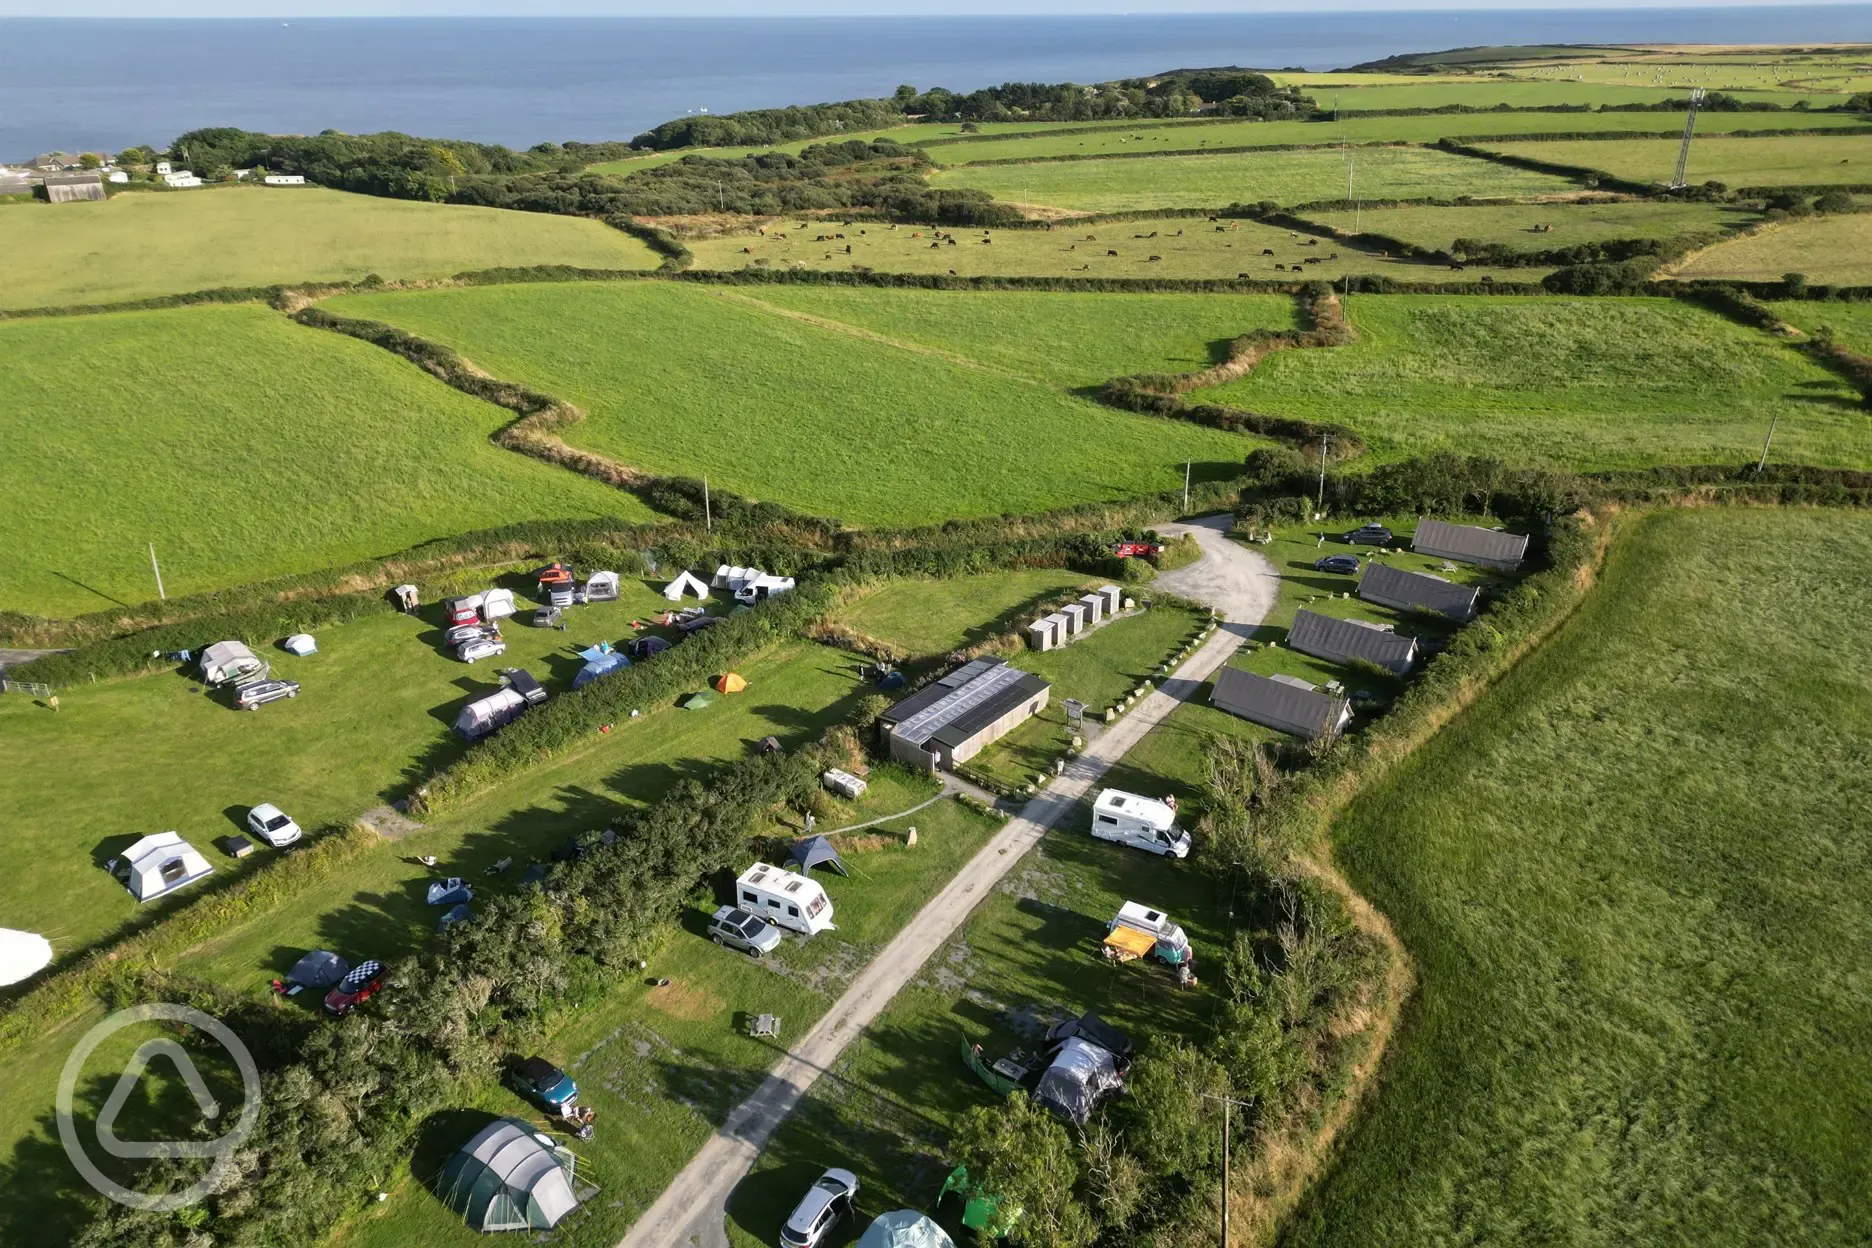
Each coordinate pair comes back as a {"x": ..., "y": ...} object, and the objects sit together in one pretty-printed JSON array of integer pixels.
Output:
[
  {"x": 480, "y": 648},
  {"x": 272, "y": 825},
  {"x": 825, "y": 1202}
]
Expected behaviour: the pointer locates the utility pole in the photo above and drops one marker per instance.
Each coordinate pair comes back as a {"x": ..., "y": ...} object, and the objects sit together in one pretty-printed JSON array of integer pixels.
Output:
[
  {"x": 1321, "y": 504},
  {"x": 1228, "y": 1108},
  {"x": 1186, "y": 481},
  {"x": 1766, "y": 444},
  {"x": 708, "y": 517},
  {"x": 157, "y": 569}
]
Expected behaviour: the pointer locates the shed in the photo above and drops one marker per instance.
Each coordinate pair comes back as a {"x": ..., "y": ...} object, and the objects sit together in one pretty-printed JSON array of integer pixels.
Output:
[
  {"x": 1285, "y": 703},
  {"x": 603, "y": 665},
  {"x": 509, "y": 1177},
  {"x": 229, "y": 660},
  {"x": 1061, "y": 626},
  {"x": 22, "y": 955},
  {"x": 1342, "y": 641},
  {"x": 949, "y": 720},
  {"x": 1468, "y": 543},
  {"x": 904, "y": 1228},
  {"x": 1114, "y": 598},
  {"x": 65, "y": 188},
  {"x": 730, "y": 682},
  {"x": 300, "y": 644},
  {"x": 158, "y": 865},
  {"x": 484, "y": 715},
  {"x": 1095, "y": 607},
  {"x": 816, "y": 851},
  {"x": 1040, "y": 635},
  {"x": 321, "y": 969},
  {"x": 1075, "y": 614},
  {"x": 685, "y": 583},
  {"x": 1417, "y": 591}
]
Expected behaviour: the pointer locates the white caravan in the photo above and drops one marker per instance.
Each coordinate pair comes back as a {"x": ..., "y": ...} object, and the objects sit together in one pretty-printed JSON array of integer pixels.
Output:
[
  {"x": 792, "y": 901},
  {"x": 1141, "y": 822}
]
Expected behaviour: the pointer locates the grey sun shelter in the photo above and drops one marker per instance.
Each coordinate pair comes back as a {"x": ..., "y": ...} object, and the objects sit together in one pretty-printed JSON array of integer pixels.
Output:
[
  {"x": 1285, "y": 703},
  {"x": 1342, "y": 641},
  {"x": 815, "y": 851},
  {"x": 1468, "y": 543},
  {"x": 509, "y": 1177},
  {"x": 1417, "y": 591}
]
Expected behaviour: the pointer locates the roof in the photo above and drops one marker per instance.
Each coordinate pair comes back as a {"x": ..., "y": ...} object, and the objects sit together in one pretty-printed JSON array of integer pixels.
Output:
[
  {"x": 1394, "y": 587},
  {"x": 1344, "y": 640},
  {"x": 160, "y": 845},
  {"x": 509, "y": 1177},
  {"x": 1282, "y": 704},
  {"x": 1079, "y": 1075},
  {"x": 1145, "y": 810},
  {"x": 772, "y": 879},
  {"x": 90, "y": 178},
  {"x": 953, "y": 709},
  {"x": 1469, "y": 542}
]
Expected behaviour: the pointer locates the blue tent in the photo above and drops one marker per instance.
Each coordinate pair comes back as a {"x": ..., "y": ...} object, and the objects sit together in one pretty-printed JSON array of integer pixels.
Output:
[
  {"x": 603, "y": 665},
  {"x": 892, "y": 680}
]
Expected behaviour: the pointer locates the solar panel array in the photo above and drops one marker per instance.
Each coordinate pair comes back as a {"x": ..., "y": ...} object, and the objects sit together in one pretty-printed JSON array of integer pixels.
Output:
[{"x": 988, "y": 680}]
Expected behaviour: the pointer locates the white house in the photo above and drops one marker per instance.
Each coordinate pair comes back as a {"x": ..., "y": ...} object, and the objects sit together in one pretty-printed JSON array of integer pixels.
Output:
[
  {"x": 284, "y": 179},
  {"x": 782, "y": 897},
  {"x": 181, "y": 179},
  {"x": 158, "y": 865},
  {"x": 1141, "y": 822}
]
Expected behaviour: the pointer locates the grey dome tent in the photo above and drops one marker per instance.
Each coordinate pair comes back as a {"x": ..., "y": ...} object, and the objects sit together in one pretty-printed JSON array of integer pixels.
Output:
[
  {"x": 816, "y": 851},
  {"x": 319, "y": 969},
  {"x": 509, "y": 1177},
  {"x": 905, "y": 1228}
]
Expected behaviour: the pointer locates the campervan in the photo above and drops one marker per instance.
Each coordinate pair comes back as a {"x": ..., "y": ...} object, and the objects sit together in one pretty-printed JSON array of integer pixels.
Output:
[
  {"x": 792, "y": 901},
  {"x": 1140, "y": 822},
  {"x": 1169, "y": 943}
]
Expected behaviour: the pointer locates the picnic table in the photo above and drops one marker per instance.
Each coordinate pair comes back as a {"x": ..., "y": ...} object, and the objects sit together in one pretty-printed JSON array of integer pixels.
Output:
[{"x": 765, "y": 1025}]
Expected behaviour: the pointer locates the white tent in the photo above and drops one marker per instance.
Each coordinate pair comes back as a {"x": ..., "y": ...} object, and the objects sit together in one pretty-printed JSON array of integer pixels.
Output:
[
  {"x": 301, "y": 644},
  {"x": 905, "y": 1228},
  {"x": 22, "y": 955},
  {"x": 483, "y": 716},
  {"x": 496, "y": 604},
  {"x": 685, "y": 583},
  {"x": 601, "y": 587},
  {"x": 229, "y": 660},
  {"x": 160, "y": 864}
]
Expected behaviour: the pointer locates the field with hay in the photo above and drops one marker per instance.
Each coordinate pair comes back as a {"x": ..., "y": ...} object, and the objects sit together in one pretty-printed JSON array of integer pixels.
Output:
[
  {"x": 778, "y": 406},
  {"x": 1834, "y": 249},
  {"x": 1634, "y": 879},
  {"x": 1797, "y": 161},
  {"x": 1577, "y": 383},
  {"x": 1512, "y": 225},
  {"x": 243, "y": 446},
  {"x": 136, "y": 245}
]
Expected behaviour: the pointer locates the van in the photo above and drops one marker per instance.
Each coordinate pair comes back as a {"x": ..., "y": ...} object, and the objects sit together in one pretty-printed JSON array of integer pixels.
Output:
[
  {"x": 782, "y": 897},
  {"x": 1140, "y": 822}
]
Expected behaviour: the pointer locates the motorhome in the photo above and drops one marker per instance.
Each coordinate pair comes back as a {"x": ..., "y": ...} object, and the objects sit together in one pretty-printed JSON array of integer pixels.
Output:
[
  {"x": 1140, "y": 822},
  {"x": 792, "y": 901}
]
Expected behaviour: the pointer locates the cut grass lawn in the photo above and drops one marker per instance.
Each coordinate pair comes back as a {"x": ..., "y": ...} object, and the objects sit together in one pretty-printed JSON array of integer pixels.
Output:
[
  {"x": 682, "y": 379},
  {"x": 1157, "y": 247},
  {"x": 1634, "y": 878},
  {"x": 243, "y": 446},
  {"x": 1512, "y": 225},
  {"x": 1120, "y": 185},
  {"x": 1835, "y": 249},
  {"x": 136, "y": 245},
  {"x": 935, "y": 617},
  {"x": 1578, "y": 383},
  {"x": 1799, "y": 161}
]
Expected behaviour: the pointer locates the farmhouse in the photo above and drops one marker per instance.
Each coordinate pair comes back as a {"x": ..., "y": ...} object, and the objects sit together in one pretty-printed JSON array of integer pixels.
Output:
[
  {"x": 1342, "y": 641},
  {"x": 64, "y": 188},
  {"x": 1417, "y": 591},
  {"x": 1468, "y": 543},
  {"x": 949, "y": 720},
  {"x": 1285, "y": 703}
]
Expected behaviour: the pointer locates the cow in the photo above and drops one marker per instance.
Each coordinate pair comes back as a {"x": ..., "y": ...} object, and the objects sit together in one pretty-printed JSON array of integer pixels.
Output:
[
  {"x": 1456, "y": 268},
  {"x": 935, "y": 246},
  {"x": 1242, "y": 276},
  {"x": 1312, "y": 260},
  {"x": 1312, "y": 242},
  {"x": 1219, "y": 229},
  {"x": 952, "y": 272},
  {"x": 1280, "y": 268},
  {"x": 1155, "y": 258},
  {"x": 747, "y": 251},
  {"x": 987, "y": 241},
  {"x": 1111, "y": 253},
  {"x": 1267, "y": 251},
  {"x": 1091, "y": 238}
]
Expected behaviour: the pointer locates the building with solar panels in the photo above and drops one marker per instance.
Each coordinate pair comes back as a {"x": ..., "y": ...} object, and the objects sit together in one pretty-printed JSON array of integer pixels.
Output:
[{"x": 949, "y": 720}]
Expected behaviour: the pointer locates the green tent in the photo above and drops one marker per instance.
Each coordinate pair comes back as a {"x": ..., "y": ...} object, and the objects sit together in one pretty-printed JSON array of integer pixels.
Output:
[
  {"x": 696, "y": 701},
  {"x": 978, "y": 1208},
  {"x": 509, "y": 1177},
  {"x": 972, "y": 1057}
]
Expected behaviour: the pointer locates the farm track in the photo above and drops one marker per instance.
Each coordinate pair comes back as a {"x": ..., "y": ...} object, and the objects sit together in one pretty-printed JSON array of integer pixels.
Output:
[{"x": 867, "y": 335}]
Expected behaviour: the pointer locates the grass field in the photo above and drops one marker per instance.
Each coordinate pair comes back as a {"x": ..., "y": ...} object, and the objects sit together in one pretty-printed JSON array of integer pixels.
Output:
[
  {"x": 1850, "y": 322},
  {"x": 1349, "y": 91},
  {"x": 690, "y": 380},
  {"x": 1633, "y": 878},
  {"x": 1183, "y": 247},
  {"x": 1836, "y": 249},
  {"x": 1812, "y": 161},
  {"x": 1513, "y": 224},
  {"x": 136, "y": 245},
  {"x": 1587, "y": 384},
  {"x": 935, "y": 617},
  {"x": 909, "y": 134},
  {"x": 1247, "y": 178},
  {"x": 243, "y": 446}
]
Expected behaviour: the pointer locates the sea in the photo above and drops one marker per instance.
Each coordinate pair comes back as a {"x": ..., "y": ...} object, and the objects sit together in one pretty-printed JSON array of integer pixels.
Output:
[{"x": 104, "y": 84}]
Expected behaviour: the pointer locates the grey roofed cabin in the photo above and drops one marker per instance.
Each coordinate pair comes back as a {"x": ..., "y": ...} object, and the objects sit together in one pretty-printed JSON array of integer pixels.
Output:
[
  {"x": 949, "y": 720},
  {"x": 1286, "y": 703},
  {"x": 1468, "y": 543},
  {"x": 1417, "y": 591},
  {"x": 1341, "y": 641},
  {"x": 63, "y": 188}
]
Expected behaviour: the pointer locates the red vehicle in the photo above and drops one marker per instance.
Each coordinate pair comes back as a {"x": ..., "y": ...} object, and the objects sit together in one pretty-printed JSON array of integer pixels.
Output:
[
  {"x": 1126, "y": 550},
  {"x": 462, "y": 611},
  {"x": 356, "y": 988}
]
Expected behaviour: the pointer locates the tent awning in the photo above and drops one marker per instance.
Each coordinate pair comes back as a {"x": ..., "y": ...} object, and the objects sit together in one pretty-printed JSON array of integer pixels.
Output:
[{"x": 816, "y": 851}]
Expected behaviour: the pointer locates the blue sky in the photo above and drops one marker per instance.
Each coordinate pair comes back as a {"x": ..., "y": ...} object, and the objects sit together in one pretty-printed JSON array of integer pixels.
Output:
[{"x": 702, "y": 8}]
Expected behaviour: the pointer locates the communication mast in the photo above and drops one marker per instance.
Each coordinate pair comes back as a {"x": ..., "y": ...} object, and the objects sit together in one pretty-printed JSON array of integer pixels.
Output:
[{"x": 1683, "y": 153}]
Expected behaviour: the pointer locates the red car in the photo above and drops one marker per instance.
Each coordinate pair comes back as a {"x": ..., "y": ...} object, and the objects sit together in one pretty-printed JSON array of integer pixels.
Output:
[
  {"x": 356, "y": 988},
  {"x": 1126, "y": 550}
]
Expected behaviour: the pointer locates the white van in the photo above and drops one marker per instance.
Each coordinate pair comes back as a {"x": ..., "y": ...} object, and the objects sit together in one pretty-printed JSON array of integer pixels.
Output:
[
  {"x": 782, "y": 897},
  {"x": 1141, "y": 822}
]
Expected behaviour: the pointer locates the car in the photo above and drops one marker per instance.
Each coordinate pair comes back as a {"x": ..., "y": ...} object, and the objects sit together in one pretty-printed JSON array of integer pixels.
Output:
[
  {"x": 468, "y": 632},
  {"x": 272, "y": 825},
  {"x": 355, "y": 988},
  {"x": 739, "y": 929},
  {"x": 1347, "y": 564},
  {"x": 547, "y": 617},
  {"x": 1369, "y": 535},
  {"x": 826, "y": 1201},
  {"x": 257, "y": 693},
  {"x": 480, "y": 648},
  {"x": 543, "y": 1083}
]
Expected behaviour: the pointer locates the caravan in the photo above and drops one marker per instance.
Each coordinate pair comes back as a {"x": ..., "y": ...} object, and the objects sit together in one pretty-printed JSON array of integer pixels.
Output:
[
  {"x": 781, "y": 897},
  {"x": 1141, "y": 822}
]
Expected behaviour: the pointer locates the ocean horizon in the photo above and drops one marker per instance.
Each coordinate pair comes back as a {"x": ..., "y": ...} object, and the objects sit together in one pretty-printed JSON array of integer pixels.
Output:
[{"x": 101, "y": 84}]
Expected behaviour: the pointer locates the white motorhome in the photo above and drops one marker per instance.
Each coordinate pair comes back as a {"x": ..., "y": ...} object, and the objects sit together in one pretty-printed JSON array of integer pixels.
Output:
[
  {"x": 782, "y": 897},
  {"x": 1140, "y": 822}
]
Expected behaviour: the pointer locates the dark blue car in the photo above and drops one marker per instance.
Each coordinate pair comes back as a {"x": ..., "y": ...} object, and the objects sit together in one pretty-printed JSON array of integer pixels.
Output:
[
  {"x": 1347, "y": 564},
  {"x": 544, "y": 1084}
]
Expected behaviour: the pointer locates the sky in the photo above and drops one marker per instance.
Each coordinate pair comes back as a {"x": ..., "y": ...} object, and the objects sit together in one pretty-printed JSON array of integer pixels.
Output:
[{"x": 772, "y": 8}]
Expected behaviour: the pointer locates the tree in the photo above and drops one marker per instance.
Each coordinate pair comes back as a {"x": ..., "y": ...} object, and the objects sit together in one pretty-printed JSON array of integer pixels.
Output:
[
  {"x": 1171, "y": 1120},
  {"x": 904, "y": 95},
  {"x": 90, "y": 160},
  {"x": 1020, "y": 1155}
]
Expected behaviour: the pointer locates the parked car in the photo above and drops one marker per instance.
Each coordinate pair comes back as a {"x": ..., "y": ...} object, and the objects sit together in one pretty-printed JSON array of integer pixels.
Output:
[
  {"x": 257, "y": 693},
  {"x": 826, "y": 1201},
  {"x": 355, "y": 988},
  {"x": 1369, "y": 535},
  {"x": 1347, "y": 565},
  {"x": 738, "y": 929},
  {"x": 480, "y": 648},
  {"x": 468, "y": 632},
  {"x": 543, "y": 1083},
  {"x": 547, "y": 617},
  {"x": 272, "y": 825}
]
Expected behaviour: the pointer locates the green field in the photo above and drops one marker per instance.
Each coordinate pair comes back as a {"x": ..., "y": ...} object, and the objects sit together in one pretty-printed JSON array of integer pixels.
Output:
[
  {"x": 909, "y": 134},
  {"x": 1634, "y": 880},
  {"x": 1850, "y": 322},
  {"x": 1812, "y": 161},
  {"x": 243, "y": 446},
  {"x": 1512, "y": 225},
  {"x": 1182, "y": 247},
  {"x": 935, "y": 617},
  {"x": 1119, "y": 185},
  {"x": 1348, "y": 92},
  {"x": 1835, "y": 249},
  {"x": 1581, "y": 383},
  {"x": 691, "y": 380},
  {"x": 136, "y": 245}
]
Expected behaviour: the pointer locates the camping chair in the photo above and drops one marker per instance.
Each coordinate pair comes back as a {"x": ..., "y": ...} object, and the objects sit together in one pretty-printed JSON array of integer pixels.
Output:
[{"x": 765, "y": 1025}]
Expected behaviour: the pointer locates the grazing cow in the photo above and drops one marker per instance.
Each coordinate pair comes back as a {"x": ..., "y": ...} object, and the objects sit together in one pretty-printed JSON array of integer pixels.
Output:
[
  {"x": 935, "y": 246},
  {"x": 861, "y": 233},
  {"x": 1215, "y": 218},
  {"x": 1242, "y": 276},
  {"x": 1267, "y": 251},
  {"x": 1091, "y": 238},
  {"x": 986, "y": 241},
  {"x": 1137, "y": 236},
  {"x": 747, "y": 251},
  {"x": 1312, "y": 242},
  {"x": 1153, "y": 233},
  {"x": 1280, "y": 268},
  {"x": 952, "y": 273},
  {"x": 1155, "y": 258},
  {"x": 1293, "y": 233},
  {"x": 1334, "y": 256},
  {"x": 1487, "y": 278},
  {"x": 918, "y": 234},
  {"x": 1219, "y": 229},
  {"x": 1111, "y": 253},
  {"x": 1312, "y": 260},
  {"x": 1456, "y": 268},
  {"x": 840, "y": 237},
  {"x": 1072, "y": 247},
  {"x": 763, "y": 231},
  {"x": 950, "y": 240}
]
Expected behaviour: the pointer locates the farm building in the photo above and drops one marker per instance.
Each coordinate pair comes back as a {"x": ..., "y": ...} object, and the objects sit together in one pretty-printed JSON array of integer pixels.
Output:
[
  {"x": 65, "y": 188},
  {"x": 1468, "y": 543},
  {"x": 1342, "y": 641},
  {"x": 1285, "y": 703},
  {"x": 949, "y": 720},
  {"x": 1417, "y": 591}
]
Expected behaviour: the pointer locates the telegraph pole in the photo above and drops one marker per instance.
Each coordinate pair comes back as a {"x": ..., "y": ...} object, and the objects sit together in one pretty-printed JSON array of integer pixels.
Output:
[
  {"x": 1228, "y": 1108},
  {"x": 157, "y": 568},
  {"x": 1766, "y": 444},
  {"x": 1320, "y": 505},
  {"x": 708, "y": 517},
  {"x": 1186, "y": 481}
]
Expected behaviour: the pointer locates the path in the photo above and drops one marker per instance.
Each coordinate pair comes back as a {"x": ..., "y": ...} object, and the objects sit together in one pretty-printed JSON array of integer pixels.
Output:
[{"x": 692, "y": 1211}]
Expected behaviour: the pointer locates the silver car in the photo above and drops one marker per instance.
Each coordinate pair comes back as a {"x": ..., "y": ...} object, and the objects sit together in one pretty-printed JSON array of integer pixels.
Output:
[
  {"x": 825, "y": 1202},
  {"x": 480, "y": 648},
  {"x": 257, "y": 693},
  {"x": 739, "y": 929}
]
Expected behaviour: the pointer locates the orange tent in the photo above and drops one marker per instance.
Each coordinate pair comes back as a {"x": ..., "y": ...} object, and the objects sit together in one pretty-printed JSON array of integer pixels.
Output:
[{"x": 730, "y": 683}]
